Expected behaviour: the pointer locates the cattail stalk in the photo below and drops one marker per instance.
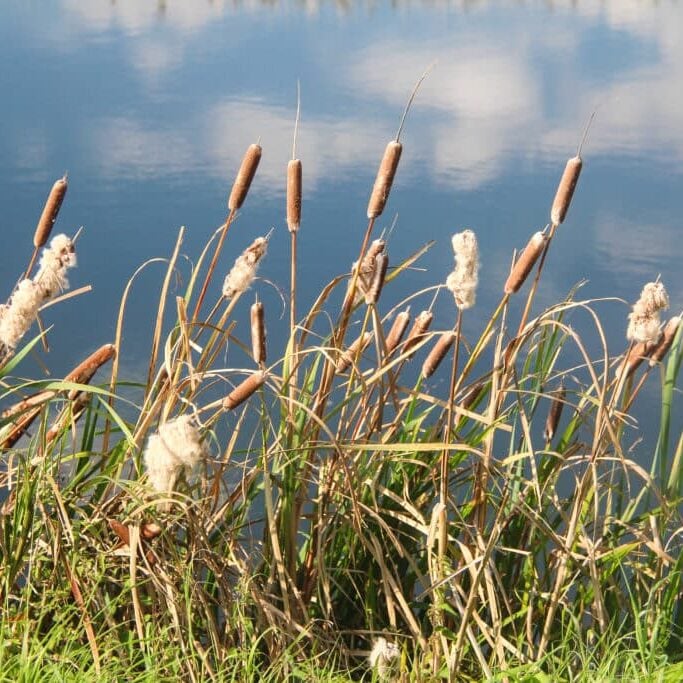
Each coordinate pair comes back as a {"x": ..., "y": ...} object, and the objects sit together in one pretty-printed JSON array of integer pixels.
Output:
[
  {"x": 398, "y": 328},
  {"x": 258, "y": 333},
  {"x": 417, "y": 332},
  {"x": 438, "y": 353},
  {"x": 525, "y": 263},
  {"x": 48, "y": 218},
  {"x": 565, "y": 190},
  {"x": 554, "y": 414},
  {"x": 666, "y": 340},
  {"x": 294, "y": 181},
  {"x": 375, "y": 289},
  {"x": 356, "y": 348},
  {"x": 384, "y": 179},
  {"x": 244, "y": 390}
]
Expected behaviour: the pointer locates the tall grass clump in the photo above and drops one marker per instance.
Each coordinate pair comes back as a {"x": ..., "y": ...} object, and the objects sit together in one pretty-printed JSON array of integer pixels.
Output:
[{"x": 325, "y": 510}]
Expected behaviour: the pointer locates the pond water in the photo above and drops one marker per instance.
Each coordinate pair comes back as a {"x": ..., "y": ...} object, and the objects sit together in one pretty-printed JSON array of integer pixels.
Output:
[{"x": 150, "y": 105}]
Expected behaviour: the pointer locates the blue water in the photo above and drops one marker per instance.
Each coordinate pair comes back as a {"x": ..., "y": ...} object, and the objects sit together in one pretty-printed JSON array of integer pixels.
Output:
[{"x": 150, "y": 106}]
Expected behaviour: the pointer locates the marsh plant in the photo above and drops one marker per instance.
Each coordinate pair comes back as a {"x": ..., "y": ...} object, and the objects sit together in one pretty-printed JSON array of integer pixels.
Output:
[{"x": 328, "y": 508}]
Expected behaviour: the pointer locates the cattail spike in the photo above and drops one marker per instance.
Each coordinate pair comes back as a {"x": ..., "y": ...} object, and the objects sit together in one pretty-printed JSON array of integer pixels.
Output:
[
  {"x": 636, "y": 355},
  {"x": 438, "y": 353},
  {"x": 258, "y": 333},
  {"x": 83, "y": 373},
  {"x": 294, "y": 195},
  {"x": 384, "y": 179},
  {"x": 417, "y": 332},
  {"x": 471, "y": 395},
  {"x": 397, "y": 330},
  {"x": 245, "y": 175},
  {"x": 525, "y": 263},
  {"x": 381, "y": 265},
  {"x": 666, "y": 340},
  {"x": 356, "y": 348},
  {"x": 51, "y": 209},
  {"x": 244, "y": 390},
  {"x": 554, "y": 414},
  {"x": 565, "y": 190}
]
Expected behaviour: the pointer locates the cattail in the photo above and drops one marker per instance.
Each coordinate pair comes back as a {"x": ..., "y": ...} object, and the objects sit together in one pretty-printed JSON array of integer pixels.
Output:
[
  {"x": 565, "y": 190},
  {"x": 462, "y": 282},
  {"x": 397, "y": 330},
  {"x": 417, "y": 332},
  {"x": 242, "y": 274},
  {"x": 83, "y": 373},
  {"x": 636, "y": 355},
  {"x": 525, "y": 263},
  {"x": 244, "y": 177},
  {"x": 384, "y": 179},
  {"x": 258, "y": 333},
  {"x": 244, "y": 390},
  {"x": 375, "y": 289},
  {"x": 554, "y": 414},
  {"x": 666, "y": 340},
  {"x": 437, "y": 354},
  {"x": 356, "y": 348},
  {"x": 366, "y": 272},
  {"x": 294, "y": 195},
  {"x": 51, "y": 209},
  {"x": 175, "y": 446},
  {"x": 471, "y": 395},
  {"x": 384, "y": 658},
  {"x": 54, "y": 263},
  {"x": 644, "y": 322}
]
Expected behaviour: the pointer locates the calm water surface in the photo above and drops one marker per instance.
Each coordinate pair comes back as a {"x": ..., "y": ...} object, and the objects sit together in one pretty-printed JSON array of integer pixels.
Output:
[{"x": 150, "y": 105}]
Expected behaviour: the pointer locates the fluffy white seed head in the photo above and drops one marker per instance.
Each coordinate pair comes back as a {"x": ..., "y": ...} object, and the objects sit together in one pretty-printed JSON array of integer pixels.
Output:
[
  {"x": 643, "y": 321},
  {"x": 54, "y": 263},
  {"x": 463, "y": 281},
  {"x": 368, "y": 268},
  {"x": 384, "y": 657},
  {"x": 20, "y": 313},
  {"x": 242, "y": 274},
  {"x": 176, "y": 446}
]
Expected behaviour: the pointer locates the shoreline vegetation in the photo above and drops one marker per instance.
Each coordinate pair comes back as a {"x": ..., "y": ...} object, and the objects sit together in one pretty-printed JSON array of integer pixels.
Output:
[{"x": 329, "y": 513}]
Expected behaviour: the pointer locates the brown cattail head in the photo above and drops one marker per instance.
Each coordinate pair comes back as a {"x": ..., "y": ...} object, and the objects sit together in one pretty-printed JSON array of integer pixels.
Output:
[
  {"x": 384, "y": 179},
  {"x": 244, "y": 390},
  {"x": 565, "y": 190},
  {"x": 244, "y": 177},
  {"x": 437, "y": 354},
  {"x": 84, "y": 372},
  {"x": 258, "y": 333},
  {"x": 471, "y": 395},
  {"x": 367, "y": 271},
  {"x": 636, "y": 355},
  {"x": 666, "y": 340},
  {"x": 375, "y": 289},
  {"x": 525, "y": 263},
  {"x": 150, "y": 530},
  {"x": 397, "y": 330},
  {"x": 356, "y": 348},
  {"x": 294, "y": 195},
  {"x": 419, "y": 328},
  {"x": 50, "y": 210},
  {"x": 554, "y": 414}
]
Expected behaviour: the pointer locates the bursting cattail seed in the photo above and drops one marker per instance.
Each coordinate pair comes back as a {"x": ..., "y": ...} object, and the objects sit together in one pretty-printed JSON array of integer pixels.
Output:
[
  {"x": 419, "y": 328},
  {"x": 357, "y": 347},
  {"x": 437, "y": 354},
  {"x": 245, "y": 175},
  {"x": 244, "y": 390},
  {"x": 565, "y": 190},
  {"x": 525, "y": 263},
  {"x": 294, "y": 195},
  {"x": 258, "y": 333},
  {"x": 636, "y": 355},
  {"x": 666, "y": 340},
  {"x": 384, "y": 179},
  {"x": 49, "y": 216},
  {"x": 242, "y": 274},
  {"x": 554, "y": 414},
  {"x": 398, "y": 329}
]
